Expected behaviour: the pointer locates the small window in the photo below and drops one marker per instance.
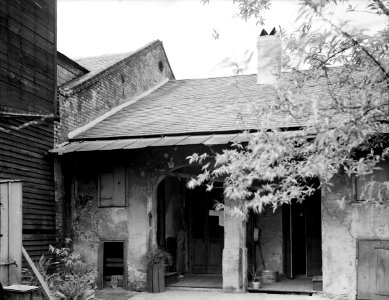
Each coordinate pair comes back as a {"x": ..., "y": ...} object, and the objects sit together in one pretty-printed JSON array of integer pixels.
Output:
[
  {"x": 112, "y": 187},
  {"x": 160, "y": 66}
]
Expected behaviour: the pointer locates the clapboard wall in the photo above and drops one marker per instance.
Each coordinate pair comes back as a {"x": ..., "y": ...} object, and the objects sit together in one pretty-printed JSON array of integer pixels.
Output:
[{"x": 27, "y": 108}]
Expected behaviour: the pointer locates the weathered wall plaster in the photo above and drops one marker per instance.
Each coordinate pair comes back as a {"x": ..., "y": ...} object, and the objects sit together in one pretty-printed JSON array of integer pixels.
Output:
[
  {"x": 270, "y": 224},
  {"x": 93, "y": 224},
  {"x": 135, "y": 223},
  {"x": 343, "y": 223}
]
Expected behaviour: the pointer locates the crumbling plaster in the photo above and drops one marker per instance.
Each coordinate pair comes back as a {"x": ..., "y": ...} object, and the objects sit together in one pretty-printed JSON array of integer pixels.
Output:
[
  {"x": 344, "y": 222},
  {"x": 135, "y": 223}
]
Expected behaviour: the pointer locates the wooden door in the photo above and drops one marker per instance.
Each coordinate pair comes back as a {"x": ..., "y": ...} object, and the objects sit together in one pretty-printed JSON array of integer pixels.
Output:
[
  {"x": 373, "y": 270},
  {"x": 10, "y": 231},
  {"x": 288, "y": 242},
  {"x": 302, "y": 237},
  {"x": 313, "y": 235},
  {"x": 198, "y": 241},
  {"x": 206, "y": 235}
]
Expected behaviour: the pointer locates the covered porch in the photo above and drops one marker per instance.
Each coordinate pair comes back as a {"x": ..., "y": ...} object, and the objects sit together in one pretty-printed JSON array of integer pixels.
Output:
[{"x": 216, "y": 251}]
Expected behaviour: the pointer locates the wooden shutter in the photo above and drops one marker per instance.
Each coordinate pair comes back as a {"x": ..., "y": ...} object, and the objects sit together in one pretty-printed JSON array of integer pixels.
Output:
[
  {"x": 113, "y": 187},
  {"x": 373, "y": 270},
  {"x": 119, "y": 192},
  {"x": 106, "y": 189}
]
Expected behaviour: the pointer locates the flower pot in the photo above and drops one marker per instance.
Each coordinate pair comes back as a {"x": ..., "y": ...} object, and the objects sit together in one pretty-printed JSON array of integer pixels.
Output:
[
  {"x": 156, "y": 279},
  {"x": 256, "y": 285}
]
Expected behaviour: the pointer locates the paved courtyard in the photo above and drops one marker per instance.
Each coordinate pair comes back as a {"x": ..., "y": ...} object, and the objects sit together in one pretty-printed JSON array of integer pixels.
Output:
[{"x": 110, "y": 294}]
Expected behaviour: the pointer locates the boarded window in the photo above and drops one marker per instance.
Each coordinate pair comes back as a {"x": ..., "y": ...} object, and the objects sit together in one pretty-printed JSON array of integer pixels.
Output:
[
  {"x": 373, "y": 270},
  {"x": 112, "y": 187}
]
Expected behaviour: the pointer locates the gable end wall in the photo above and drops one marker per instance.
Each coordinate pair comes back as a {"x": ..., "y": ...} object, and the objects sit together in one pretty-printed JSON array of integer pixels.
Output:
[{"x": 134, "y": 76}]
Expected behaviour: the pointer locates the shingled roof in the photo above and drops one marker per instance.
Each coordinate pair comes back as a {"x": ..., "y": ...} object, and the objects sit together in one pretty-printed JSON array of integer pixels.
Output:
[{"x": 195, "y": 106}]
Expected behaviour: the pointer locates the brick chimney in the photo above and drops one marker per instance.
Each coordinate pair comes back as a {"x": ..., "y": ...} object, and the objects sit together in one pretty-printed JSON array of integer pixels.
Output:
[{"x": 269, "y": 58}]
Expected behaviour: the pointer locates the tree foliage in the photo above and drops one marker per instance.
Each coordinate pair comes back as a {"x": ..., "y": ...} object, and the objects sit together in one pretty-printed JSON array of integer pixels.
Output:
[{"x": 343, "y": 124}]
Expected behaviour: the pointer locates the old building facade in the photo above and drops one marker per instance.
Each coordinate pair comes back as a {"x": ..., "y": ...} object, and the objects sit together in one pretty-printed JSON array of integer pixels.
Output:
[{"x": 126, "y": 193}]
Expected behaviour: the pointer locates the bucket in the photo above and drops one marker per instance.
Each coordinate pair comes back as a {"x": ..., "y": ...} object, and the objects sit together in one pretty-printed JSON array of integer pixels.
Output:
[{"x": 269, "y": 276}]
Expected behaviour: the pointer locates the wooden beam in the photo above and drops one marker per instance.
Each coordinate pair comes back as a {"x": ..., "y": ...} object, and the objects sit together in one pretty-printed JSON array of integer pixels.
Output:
[
  {"x": 38, "y": 275},
  {"x": 182, "y": 175}
]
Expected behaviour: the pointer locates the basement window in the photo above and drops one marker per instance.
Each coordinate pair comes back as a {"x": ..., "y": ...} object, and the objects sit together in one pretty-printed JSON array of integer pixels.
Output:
[
  {"x": 113, "y": 264},
  {"x": 112, "y": 187}
]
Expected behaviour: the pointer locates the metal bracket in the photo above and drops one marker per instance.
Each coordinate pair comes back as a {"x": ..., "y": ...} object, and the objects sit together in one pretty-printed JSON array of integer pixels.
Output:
[{"x": 9, "y": 263}]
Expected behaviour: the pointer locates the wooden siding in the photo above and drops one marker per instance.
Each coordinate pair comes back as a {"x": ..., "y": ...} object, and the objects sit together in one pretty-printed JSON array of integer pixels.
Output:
[
  {"x": 28, "y": 59},
  {"x": 27, "y": 56},
  {"x": 24, "y": 156}
]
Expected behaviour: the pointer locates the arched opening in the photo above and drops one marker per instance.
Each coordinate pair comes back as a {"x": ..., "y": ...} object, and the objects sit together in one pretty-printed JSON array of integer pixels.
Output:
[{"x": 190, "y": 229}]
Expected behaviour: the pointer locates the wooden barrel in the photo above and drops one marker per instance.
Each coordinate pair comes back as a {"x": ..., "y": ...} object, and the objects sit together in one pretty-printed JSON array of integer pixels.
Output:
[{"x": 269, "y": 276}]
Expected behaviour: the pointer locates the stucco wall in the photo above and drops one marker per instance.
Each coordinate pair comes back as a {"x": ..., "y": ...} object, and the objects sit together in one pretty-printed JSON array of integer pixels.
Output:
[
  {"x": 135, "y": 223},
  {"x": 343, "y": 223},
  {"x": 93, "y": 224},
  {"x": 270, "y": 224}
]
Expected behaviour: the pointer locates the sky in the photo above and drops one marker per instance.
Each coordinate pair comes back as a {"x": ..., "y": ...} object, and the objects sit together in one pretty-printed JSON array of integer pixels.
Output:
[{"x": 196, "y": 37}]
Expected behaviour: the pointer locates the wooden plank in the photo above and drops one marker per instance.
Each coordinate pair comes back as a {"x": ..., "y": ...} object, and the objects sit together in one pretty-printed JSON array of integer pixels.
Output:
[
  {"x": 38, "y": 222},
  {"x": 4, "y": 230},
  {"x": 16, "y": 53},
  {"x": 38, "y": 204},
  {"x": 46, "y": 212},
  {"x": 43, "y": 129},
  {"x": 28, "y": 177},
  {"x": 38, "y": 227},
  {"x": 38, "y": 14},
  {"x": 119, "y": 196},
  {"x": 33, "y": 194},
  {"x": 15, "y": 79},
  {"x": 382, "y": 272},
  {"x": 34, "y": 163},
  {"x": 25, "y": 142},
  {"x": 21, "y": 27},
  {"x": 18, "y": 15},
  {"x": 29, "y": 100},
  {"x": 24, "y": 159},
  {"x": 42, "y": 237},
  {"x": 17, "y": 99},
  {"x": 15, "y": 232},
  {"x": 38, "y": 275},
  {"x": 26, "y": 72},
  {"x": 27, "y": 46},
  {"x": 366, "y": 272},
  {"x": 14, "y": 140}
]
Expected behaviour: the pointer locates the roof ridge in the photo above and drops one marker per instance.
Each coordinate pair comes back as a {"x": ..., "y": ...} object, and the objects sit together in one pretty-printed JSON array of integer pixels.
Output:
[
  {"x": 102, "y": 55},
  {"x": 113, "y": 111}
]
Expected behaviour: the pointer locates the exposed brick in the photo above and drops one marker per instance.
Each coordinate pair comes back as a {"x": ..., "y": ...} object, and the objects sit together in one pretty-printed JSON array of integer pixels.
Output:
[{"x": 133, "y": 76}]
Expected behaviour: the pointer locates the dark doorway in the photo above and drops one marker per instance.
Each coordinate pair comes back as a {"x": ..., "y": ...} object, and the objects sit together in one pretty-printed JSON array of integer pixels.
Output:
[
  {"x": 302, "y": 237},
  {"x": 206, "y": 233},
  {"x": 113, "y": 263}
]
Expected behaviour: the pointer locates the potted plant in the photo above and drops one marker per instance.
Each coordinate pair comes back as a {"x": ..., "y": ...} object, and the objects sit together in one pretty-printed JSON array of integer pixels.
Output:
[
  {"x": 156, "y": 260},
  {"x": 255, "y": 277}
]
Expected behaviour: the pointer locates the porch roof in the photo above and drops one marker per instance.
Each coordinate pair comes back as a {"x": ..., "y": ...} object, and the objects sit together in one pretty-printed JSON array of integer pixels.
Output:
[{"x": 138, "y": 143}]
